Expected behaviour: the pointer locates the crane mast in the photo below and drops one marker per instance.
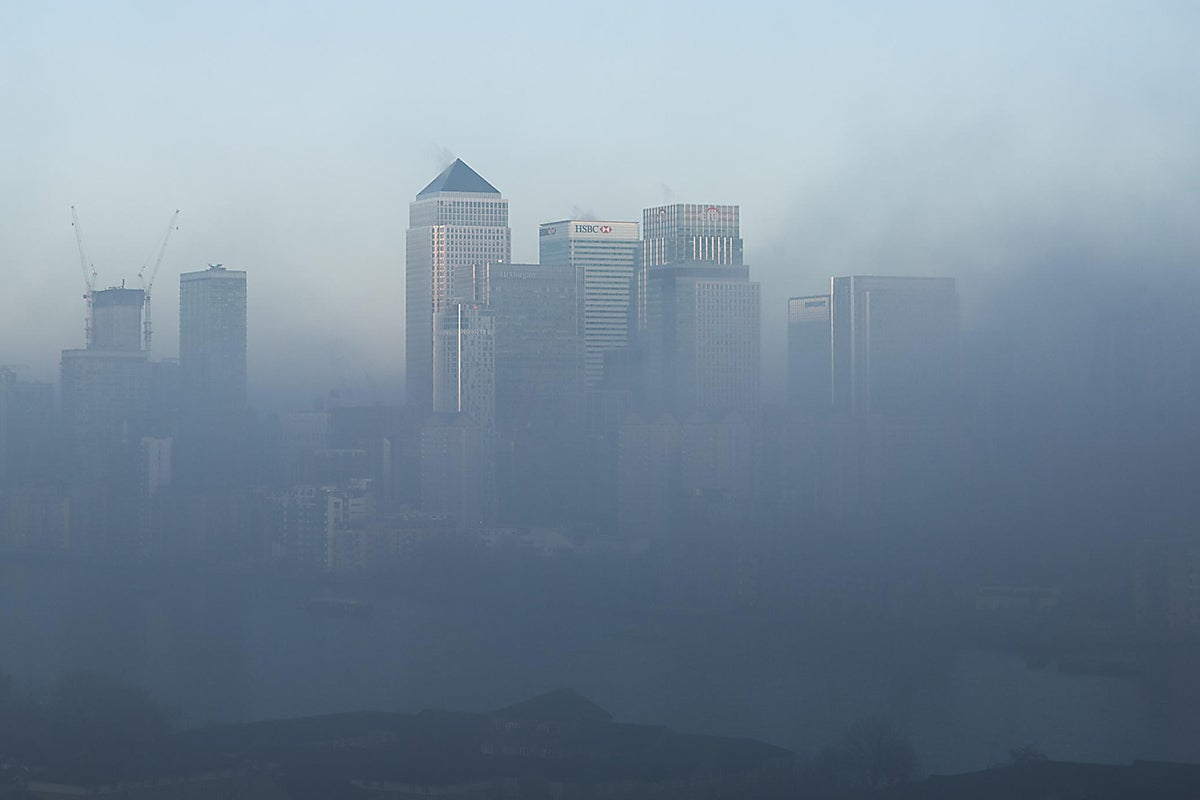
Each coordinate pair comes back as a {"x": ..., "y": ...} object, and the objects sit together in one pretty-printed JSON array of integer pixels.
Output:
[
  {"x": 146, "y": 275},
  {"x": 148, "y": 283},
  {"x": 89, "y": 275}
]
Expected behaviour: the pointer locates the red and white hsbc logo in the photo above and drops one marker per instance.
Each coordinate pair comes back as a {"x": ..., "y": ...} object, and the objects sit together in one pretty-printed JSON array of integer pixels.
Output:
[{"x": 593, "y": 229}]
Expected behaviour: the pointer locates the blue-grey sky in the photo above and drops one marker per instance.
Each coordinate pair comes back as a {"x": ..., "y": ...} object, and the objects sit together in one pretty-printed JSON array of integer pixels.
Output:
[{"x": 980, "y": 140}]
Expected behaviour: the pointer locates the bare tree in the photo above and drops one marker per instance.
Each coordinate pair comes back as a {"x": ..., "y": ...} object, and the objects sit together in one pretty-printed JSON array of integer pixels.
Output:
[
  {"x": 1025, "y": 754},
  {"x": 872, "y": 754}
]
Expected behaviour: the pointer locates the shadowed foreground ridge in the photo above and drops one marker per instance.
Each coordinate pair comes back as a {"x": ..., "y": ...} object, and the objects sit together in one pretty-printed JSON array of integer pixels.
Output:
[
  {"x": 97, "y": 736},
  {"x": 559, "y": 742},
  {"x": 1060, "y": 779}
]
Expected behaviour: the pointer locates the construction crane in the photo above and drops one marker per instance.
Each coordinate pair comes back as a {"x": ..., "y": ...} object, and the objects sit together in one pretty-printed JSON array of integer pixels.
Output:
[
  {"x": 148, "y": 283},
  {"x": 89, "y": 275}
]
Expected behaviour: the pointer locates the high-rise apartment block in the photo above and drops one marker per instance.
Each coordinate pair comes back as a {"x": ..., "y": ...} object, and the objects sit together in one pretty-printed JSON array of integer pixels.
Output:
[
  {"x": 603, "y": 256},
  {"x": 212, "y": 337},
  {"x": 105, "y": 386},
  {"x": 31, "y": 430},
  {"x": 701, "y": 311},
  {"x": 457, "y": 223},
  {"x": 117, "y": 320},
  {"x": 809, "y": 353},
  {"x": 105, "y": 396},
  {"x": 212, "y": 376},
  {"x": 895, "y": 344}
]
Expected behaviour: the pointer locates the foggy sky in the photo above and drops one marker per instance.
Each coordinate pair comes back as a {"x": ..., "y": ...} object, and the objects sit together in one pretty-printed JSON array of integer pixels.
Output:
[{"x": 1014, "y": 146}]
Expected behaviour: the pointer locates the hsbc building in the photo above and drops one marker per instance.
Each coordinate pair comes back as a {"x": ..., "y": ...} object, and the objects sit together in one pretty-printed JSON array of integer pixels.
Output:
[{"x": 603, "y": 254}]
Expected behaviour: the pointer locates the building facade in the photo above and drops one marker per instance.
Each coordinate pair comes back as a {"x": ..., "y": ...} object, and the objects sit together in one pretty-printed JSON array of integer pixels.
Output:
[
  {"x": 809, "y": 353},
  {"x": 464, "y": 372},
  {"x": 212, "y": 336},
  {"x": 701, "y": 316},
  {"x": 684, "y": 233},
  {"x": 702, "y": 339},
  {"x": 117, "y": 320},
  {"x": 455, "y": 480},
  {"x": 895, "y": 345},
  {"x": 105, "y": 390},
  {"x": 603, "y": 256},
  {"x": 457, "y": 223},
  {"x": 212, "y": 376},
  {"x": 537, "y": 349}
]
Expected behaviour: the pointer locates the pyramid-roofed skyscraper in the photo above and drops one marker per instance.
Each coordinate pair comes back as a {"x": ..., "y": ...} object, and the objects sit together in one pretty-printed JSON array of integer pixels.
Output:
[
  {"x": 457, "y": 224},
  {"x": 458, "y": 177}
]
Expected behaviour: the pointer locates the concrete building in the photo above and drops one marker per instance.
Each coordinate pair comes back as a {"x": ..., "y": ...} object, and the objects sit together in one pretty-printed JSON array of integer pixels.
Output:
[
  {"x": 603, "y": 256},
  {"x": 117, "y": 319},
  {"x": 810, "y": 353},
  {"x": 212, "y": 376},
  {"x": 212, "y": 337},
  {"x": 311, "y": 516},
  {"x": 103, "y": 407},
  {"x": 456, "y": 223},
  {"x": 301, "y": 435},
  {"x": 29, "y": 435},
  {"x": 385, "y": 434},
  {"x": 895, "y": 344},
  {"x": 105, "y": 391}
]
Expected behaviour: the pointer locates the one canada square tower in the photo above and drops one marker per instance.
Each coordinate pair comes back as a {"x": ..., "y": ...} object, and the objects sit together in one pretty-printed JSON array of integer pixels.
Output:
[{"x": 456, "y": 224}]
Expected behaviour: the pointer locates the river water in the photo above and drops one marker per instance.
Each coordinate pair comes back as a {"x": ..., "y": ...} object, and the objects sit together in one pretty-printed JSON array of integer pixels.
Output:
[{"x": 226, "y": 648}]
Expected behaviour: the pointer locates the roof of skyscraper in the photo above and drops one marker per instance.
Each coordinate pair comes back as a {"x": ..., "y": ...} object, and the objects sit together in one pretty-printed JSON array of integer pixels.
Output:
[{"x": 458, "y": 177}]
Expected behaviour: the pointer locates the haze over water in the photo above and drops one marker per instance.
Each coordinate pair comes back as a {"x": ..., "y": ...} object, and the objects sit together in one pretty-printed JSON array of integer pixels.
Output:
[{"x": 228, "y": 649}]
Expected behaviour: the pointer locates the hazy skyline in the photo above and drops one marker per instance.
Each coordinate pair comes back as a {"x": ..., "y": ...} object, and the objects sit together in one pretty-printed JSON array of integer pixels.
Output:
[{"x": 980, "y": 141}]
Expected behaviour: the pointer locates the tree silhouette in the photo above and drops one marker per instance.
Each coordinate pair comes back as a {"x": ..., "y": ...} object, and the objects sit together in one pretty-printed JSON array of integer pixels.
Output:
[
  {"x": 871, "y": 754},
  {"x": 1025, "y": 754}
]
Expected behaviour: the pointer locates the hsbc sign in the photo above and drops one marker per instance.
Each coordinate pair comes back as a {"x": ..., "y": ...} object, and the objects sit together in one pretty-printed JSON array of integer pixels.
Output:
[{"x": 590, "y": 228}]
